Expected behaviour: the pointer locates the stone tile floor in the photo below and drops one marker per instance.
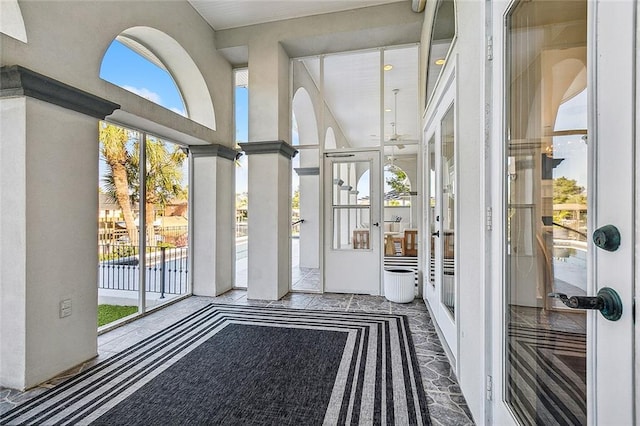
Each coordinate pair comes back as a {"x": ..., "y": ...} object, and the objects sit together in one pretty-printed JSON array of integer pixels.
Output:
[{"x": 445, "y": 400}]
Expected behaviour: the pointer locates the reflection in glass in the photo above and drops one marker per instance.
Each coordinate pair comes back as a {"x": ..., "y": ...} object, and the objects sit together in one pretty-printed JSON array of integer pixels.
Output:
[
  {"x": 546, "y": 185},
  {"x": 442, "y": 34},
  {"x": 431, "y": 158},
  {"x": 448, "y": 208}
]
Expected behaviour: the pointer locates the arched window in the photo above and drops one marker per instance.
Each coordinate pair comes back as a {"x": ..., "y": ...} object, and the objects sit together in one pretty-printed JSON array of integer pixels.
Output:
[
  {"x": 397, "y": 186},
  {"x": 304, "y": 123},
  {"x": 330, "y": 139},
  {"x": 165, "y": 58},
  {"x": 11, "y": 21},
  {"x": 139, "y": 71}
]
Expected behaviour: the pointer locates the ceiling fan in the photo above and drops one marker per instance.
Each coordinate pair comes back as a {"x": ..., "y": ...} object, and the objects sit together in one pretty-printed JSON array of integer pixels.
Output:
[{"x": 395, "y": 137}]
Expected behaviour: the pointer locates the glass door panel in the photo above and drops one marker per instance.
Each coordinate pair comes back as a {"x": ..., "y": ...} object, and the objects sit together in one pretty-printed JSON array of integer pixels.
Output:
[
  {"x": 547, "y": 192},
  {"x": 305, "y": 221},
  {"x": 431, "y": 206},
  {"x": 447, "y": 211},
  {"x": 440, "y": 153},
  {"x": 350, "y": 210},
  {"x": 166, "y": 221}
]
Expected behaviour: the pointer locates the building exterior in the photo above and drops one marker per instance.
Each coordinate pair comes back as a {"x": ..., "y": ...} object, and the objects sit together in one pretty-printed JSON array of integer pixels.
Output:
[{"x": 504, "y": 103}]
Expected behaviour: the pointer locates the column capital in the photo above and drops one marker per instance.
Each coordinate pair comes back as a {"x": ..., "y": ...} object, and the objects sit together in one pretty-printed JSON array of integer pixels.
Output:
[
  {"x": 19, "y": 81},
  {"x": 307, "y": 171},
  {"x": 213, "y": 150},
  {"x": 269, "y": 147}
]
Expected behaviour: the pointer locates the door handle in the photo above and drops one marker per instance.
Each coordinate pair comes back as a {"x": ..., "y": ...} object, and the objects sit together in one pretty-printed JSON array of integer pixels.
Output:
[
  {"x": 607, "y": 301},
  {"x": 435, "y": 234},
  {"x": 376, "y": 224}
]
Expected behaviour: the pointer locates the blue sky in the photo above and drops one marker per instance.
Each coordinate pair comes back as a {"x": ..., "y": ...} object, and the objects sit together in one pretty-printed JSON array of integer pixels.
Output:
[{"x": 127, "y": 69}]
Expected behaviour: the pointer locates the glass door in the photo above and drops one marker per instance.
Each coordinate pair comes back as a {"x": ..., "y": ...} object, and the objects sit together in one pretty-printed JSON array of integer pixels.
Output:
[
  {"x": 440, "y": 289},
  {"x": 352, "y": 218},
  {"x": 568, "y": 166}
]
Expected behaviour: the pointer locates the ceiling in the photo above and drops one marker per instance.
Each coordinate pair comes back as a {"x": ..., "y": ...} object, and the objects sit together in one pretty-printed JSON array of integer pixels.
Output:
[
  {"x": 352, "y": 83},
  {"x": 226, "y": 14}
]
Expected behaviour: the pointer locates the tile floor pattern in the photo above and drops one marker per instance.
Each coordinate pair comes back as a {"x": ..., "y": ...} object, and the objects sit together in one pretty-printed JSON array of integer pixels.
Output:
[{"x": 446, "y": 402}]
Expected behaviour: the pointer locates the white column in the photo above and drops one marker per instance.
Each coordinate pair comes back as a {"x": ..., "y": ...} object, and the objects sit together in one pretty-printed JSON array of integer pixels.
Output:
[
  {"x": 269, "y": 219},
  {"x": 48, "y": 226},
  {"x": 269, "y": 110},
  {"x": 213, "y": 204}
]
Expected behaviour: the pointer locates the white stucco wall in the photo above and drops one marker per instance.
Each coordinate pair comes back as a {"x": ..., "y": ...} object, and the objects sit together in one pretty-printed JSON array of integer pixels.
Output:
[
  {"x": 13, "y": 241},
  {"x": 49, "y": 166},
  {"x": 48, "y": 240},
  {"x": 67, "y": 41}
]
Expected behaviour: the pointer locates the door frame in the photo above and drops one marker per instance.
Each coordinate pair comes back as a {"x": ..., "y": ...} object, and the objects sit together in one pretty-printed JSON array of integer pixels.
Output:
[
  {"x": 601, "y": 409},
  {"x": 375, "y": 232},
  {"x": 447, "y": 327}
]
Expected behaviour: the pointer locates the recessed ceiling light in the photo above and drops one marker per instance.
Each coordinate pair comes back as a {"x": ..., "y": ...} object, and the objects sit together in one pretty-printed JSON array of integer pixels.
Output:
[
  {"x": 440, "y": 61},
  {"x": 387, "y": 110},
  {"x": 388, "y": 67}
]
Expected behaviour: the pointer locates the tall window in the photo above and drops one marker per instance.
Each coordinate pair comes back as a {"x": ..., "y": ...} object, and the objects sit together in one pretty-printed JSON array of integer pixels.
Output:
[
  {"x": 242, "y": 175},
  {"x": 443, "y": 31},
  {"x": 139, "y": 71},
  {"x": 143, "y": 195}
]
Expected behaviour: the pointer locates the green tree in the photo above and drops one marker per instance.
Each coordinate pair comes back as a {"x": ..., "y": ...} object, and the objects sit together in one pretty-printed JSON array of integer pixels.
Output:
[
  {"x": 113, "y": 149},
  {"x": 163, "y": 179},
  {"x": 295, "y": 199},
  {"x": 567, "y": 191},
  {"x": 398, "y": 180}
]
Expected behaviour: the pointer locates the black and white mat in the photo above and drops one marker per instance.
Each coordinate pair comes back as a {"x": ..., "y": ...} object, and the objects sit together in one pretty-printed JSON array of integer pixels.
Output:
[{"x": 249, "y": 365}]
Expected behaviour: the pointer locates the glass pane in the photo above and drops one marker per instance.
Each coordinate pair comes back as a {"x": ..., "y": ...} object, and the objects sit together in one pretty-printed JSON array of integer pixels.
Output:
[
  {"x": 166, "y": 221},
  {"x": 546, "y": 183},
  {"x": 352, "y": 84},
  {"x": 305, "y": 231},
  {"x": 304, "y": 117},
  {"x": 351, "y": 205},
  {"x": 351, "y": 228},
  {"x": 442, "y": 34},
  {"x": 431, "y": 158},
  {"x": 400, "y": 97},
  {"x": 448, "y": 185},
  {"x": 351, "y": 183},
  {"x": 241, "y": 97},
  {"x": 118, "y": 249}
]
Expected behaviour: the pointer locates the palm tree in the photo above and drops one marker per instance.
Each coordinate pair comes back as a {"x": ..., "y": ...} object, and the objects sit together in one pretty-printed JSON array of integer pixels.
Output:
[
  {"x": 113, "y": 149},
  {"x": 163, "y": 178}
]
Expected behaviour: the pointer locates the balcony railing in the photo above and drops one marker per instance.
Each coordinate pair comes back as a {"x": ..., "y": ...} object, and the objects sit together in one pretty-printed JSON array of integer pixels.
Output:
[{"x": 166, "y": 269}]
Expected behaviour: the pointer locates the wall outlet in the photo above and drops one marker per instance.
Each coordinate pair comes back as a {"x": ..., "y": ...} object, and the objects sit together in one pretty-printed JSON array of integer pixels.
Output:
[{"x": 65, "y": 308}]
